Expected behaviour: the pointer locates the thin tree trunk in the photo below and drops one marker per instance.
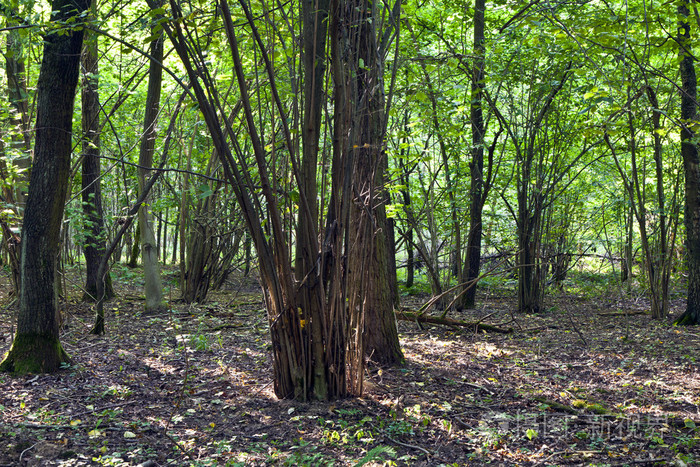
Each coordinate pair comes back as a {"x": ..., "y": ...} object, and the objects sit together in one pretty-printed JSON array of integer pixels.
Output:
[
  {"x": 91, "y": 184},
  {"x": 476, "y": 167},
  {"x": 135, "y": 247},
  {"x": 185, "y": 213},
  {"x": 662, "y": 261},
  {"x": 149, "y": 249},
  {"x": 691, "y": 164},
  {"x": 20, "y": 145},
  {"x": 164, "y": 238},
  {"x": 198, "y": 270}
]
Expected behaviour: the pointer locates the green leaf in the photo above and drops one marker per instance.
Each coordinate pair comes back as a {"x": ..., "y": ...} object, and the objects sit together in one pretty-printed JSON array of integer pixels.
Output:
[{"x": 205, "y": 191}]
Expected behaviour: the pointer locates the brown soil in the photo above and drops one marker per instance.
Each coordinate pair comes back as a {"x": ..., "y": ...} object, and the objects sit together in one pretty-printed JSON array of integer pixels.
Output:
[{"x": 575, "y": 385}]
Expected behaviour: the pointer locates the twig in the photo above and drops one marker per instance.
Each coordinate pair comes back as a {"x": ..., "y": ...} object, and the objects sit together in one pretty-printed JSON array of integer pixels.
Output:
[
  {"x": 110, "y": 406},
  {"x": 224, "y": 326},
  {"x": 411, "y": 446},
  {"x": 578, "y": 331},
  {"x": 536, "y": 328},
  {"x": 22, "y": 454},
  {"x": 177, "y": 443},
  {"x": 261, "y": 388},
  {"x": 623, "y": 313},
  {"x": 644, "y": 461},
  {"x": 480, "y": 387}
]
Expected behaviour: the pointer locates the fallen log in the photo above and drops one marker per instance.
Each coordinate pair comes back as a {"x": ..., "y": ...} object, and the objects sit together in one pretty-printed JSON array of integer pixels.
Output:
[{"x": 445, "y": 321}]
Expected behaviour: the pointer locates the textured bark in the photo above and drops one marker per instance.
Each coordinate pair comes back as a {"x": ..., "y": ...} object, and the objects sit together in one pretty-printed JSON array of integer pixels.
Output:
[
  {"x": 19, "y": 148},
  {"x": 359, "y": 68},
  {"x": 36, "y": 347},
  {"x": 200, "y": 255},
  {"x": 691, "y": 164},
  {"x": 149, "y": 249},
  {"x": 310, "y": 295},
  {"x": 473, "y": 256},
  {"x": 19, "y": 100},
  {"x": 92, "y": 194}
]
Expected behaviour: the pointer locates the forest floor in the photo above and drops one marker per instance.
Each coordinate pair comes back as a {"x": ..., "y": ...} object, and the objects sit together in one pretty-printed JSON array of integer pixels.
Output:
[{"x": 586, "y": 382}]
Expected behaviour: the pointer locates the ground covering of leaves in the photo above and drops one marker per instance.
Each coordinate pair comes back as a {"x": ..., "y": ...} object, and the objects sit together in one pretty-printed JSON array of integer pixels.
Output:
[{"x": 579, "y": 384}]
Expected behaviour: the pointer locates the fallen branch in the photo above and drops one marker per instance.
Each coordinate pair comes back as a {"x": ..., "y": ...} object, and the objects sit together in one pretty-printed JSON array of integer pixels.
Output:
[
  {"x": 445, "y": 321},
  {"x": 557, "y": 406},
  {"x": 623, "y": 313}
]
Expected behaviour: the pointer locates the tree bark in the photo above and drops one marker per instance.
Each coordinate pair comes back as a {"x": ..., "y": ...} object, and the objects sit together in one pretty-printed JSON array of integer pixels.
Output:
[
  {"x": 19, "y": 150},
  {"x": 94, "y": 247},
  {"x": 359, "y": 67},
  {"x": 472, "y": 263},
  {"x": 200, "y": 261},
  {"x": 691, "y": 165},
  {"x": 36, "y": 347},
  {"x": 149, "y": 249}
]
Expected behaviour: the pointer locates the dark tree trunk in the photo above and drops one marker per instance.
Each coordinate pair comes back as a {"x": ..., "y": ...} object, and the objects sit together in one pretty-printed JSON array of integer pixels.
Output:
[
  {"x": 92, "y": 194},
  {"x": 135, "y": 247},
  {"x": 473, "y": 257},
  {"x": 359, "y": 68},
  {"x": 164, "y": 239},
  {"x": 14, "y": 193},
  {"x": 200, "y": 261},
  {"x": 691, "y": 164},
  {"x": 310, "y": 297},
  {"x": 19, "y": 100},
  {"x": 36, "y": 347},
  {"x": 528, "y": 287}
]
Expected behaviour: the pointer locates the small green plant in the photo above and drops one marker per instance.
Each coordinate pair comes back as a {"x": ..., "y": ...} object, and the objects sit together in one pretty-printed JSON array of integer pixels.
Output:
[
  {"x": 200, "y": 342},
  {"x": 378, "y": 453},
  {"x": 304, "y": 454},
  {"x": 400, "y": 428}
]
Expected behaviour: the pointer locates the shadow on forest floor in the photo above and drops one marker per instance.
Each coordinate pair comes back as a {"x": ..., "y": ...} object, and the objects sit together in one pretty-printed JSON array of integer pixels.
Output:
[{"x": 575, "y": 385}]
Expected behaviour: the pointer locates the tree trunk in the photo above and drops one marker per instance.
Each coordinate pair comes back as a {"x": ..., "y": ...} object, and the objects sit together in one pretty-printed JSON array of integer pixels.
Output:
[
  {"x": 473, "y": 257},
  {"x": 185, "y": 213},
  {"x": 135, "y": 247},
  {"x": 359, "y": 68},
  {"x": 628, "y": 249},
  {"x": 198, "y": 272},
  {"x": 19, "y": 100},
  {"x": 14, "y": 190},
  {"x": 691, "y": 165},
  {"x": 92, "y": 194},
  {"x": 149, "y": 249},
  {"x": 164, "y": 239},
  {"x": 36, "y": 347}
]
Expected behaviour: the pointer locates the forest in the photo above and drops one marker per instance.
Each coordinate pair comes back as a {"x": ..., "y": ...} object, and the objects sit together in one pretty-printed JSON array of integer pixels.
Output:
[{"x": 360, "y": 232}]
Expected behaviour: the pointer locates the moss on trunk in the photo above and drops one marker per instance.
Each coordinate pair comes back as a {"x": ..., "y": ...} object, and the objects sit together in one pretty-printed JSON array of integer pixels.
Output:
[{"x": 34, "y": 353}]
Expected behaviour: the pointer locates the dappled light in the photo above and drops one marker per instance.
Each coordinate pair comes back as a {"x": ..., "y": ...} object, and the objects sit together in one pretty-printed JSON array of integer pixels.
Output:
[
  {"x": 171, "y": 388},
  {"x": 349, "y": 232}
]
